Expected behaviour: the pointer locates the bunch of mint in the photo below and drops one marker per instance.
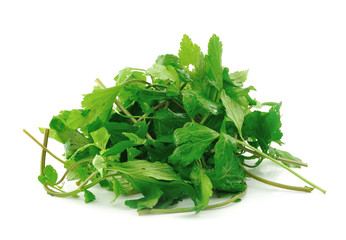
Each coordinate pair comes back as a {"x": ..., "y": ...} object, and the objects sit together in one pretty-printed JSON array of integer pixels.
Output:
[{"x": 184, "y": 128}]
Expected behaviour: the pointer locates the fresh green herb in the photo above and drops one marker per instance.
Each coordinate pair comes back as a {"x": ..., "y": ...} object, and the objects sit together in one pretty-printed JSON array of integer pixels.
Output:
[{"x": 184, "y": 128}]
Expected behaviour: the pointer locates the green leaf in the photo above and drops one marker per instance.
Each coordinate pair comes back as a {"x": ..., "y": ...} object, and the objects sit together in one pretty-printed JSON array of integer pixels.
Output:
[
  {"x": 99, "y": 163},
  {"x": 214, "y": 62},
  {"x": 195, "y": 103},
  {"x": 71, "y": 138},
  {"x": 126, "y": 75},
  {"x": 228, "y": 175},
  {"x": 191, "y": 141},
  {"x": 276, "y": 153},
  {"x": 203, "y": 187},
  {"x": 151, "y": 197},
  {"x": 116, "y": 129},
  {"x": 189, "y": 52},
  {"x": 134, "y": 138},
  {"x": 119, "y": 148},
  {"x": 161, "y": 73},
  {"x": 174, "y": 61},
  {"x": 224, "y": 153},
  {"x": 117, "y": 188},
  {"x": 159, "y": 151},
  {"x": 100, "y": 137},
  {"x": 73, "y": 119},
  {"x": 238, "y": 78},
  {"x": 166, "y": 121},
  {"x": 233, "y": 110},
  {"x": 263, "y": 126},
  {"x": 100, "y": 103},
  {"x": 144, "y": 170},
  {"x": 88, "y": 196},
  {"x": 49, "y": 176}
]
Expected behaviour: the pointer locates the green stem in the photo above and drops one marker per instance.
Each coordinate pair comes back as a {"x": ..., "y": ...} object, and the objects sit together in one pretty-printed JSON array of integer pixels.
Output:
[
  {"x": 281, "y": 165},
  {"x": 281, "y": 159},
  {"x": 275, "y": 184},
  {"x": 43, "y": 154},
  {"x": 43, "y": 147},
  {"x": 70, "y": 168},
  {"x": 204, "y": 118},
  {"x": 191, "y": 209},
  {"x": 121, "y": 106}
]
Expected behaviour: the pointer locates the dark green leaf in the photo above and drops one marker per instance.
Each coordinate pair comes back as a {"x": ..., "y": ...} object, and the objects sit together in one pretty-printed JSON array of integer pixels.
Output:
[
  {"x": 191, "y": 141},
  {"x": 195, "y": 103},
  {"x": 203, "y": 187},
  {"x": 166, "y": 121},
  {"x": 119, "y": 148},
  {"x": 151, "y": 194},
  {"x": 263, "y": 126}
]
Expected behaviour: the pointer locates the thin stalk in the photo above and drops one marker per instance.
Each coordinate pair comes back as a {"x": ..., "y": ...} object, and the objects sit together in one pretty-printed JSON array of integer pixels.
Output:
[
  {"x": 43, "y": 154},
  {"x": 281, "y": 159},
  {"x": 191, "y": 209},
  {"x": 275, "y": 184},
  {"x": 43, "y": 147},
  {"x": 204, "y": 118},
  {"x": 179, "y": 105},
  {"x": 87, "y": 179},
  {"x": 160, "y": 105},
  {"x": 281, "y": 164},
  {"x": 70, "y": 168},
  {"x": 121, "y": 106},
  {"x": 74, "y": 192}
]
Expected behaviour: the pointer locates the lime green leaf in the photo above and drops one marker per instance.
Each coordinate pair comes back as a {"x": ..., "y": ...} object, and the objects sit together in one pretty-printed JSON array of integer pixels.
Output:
[
  {"x": 174, "y": 61},
  {"x": 126, "y": 75},
  {"x": 99, "y": 163},
  {"x": 214, "y": 62},
  {"x": 161, "y": 73},
  {"x": 233, "y": 110},
  {"x": 134, "y": 138},
  {"x": 144, "y": 170},
  {"x": 49, "y": 176},
  {"x": 189, "y": 52},
  {"x": 100, "y": 103},
  {"x": 239, "y": 77},
  {"x": 100, "y": 137},
  {"x": 88, "y": 196}
]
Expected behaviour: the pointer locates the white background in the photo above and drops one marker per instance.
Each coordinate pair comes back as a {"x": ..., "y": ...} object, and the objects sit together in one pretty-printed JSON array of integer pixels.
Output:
[{"x": 52, "y": 51}]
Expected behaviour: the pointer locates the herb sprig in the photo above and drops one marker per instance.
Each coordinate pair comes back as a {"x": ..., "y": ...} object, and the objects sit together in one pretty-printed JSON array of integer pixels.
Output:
[{"x": 184, "y": 128}]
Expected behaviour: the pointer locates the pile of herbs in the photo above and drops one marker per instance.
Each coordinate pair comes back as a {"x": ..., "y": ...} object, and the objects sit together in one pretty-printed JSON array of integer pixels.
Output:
[{"x": 184, "y": 128}]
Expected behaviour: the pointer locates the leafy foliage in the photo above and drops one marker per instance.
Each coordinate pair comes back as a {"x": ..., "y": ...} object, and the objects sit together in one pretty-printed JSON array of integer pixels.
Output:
[{"x": 176, "y": 130}]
